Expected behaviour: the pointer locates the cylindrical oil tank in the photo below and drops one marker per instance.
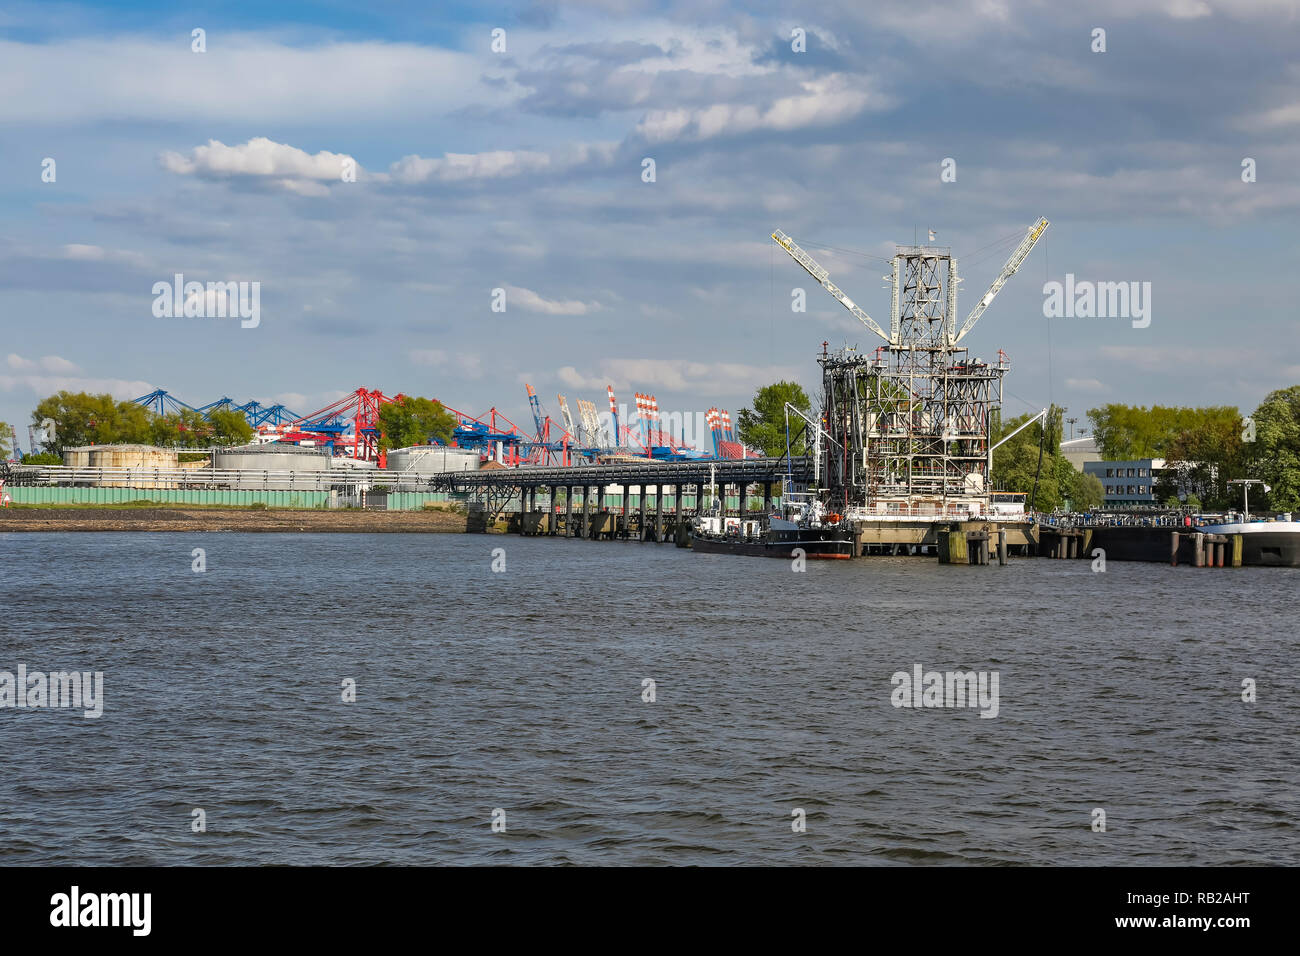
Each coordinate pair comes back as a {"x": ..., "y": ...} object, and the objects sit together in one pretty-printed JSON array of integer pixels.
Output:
[
  {"x": 254, "y": 461},
  {"x": 78, "y": 457},
  {"x": 143, "y": 459},
  {"x": 418, "y": 461}
]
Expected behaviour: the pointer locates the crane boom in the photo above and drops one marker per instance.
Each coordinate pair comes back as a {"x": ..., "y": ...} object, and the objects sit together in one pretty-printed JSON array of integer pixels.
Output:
[
  {"x": 568, "y": 418},
  {"x": 823, "y": 277},
  {"x": 1008, "y": 270},
  {"x": 538, "y": 418}
]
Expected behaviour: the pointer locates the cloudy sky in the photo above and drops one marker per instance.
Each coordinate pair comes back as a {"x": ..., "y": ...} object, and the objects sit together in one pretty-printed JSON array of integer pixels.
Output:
[{"x": 522, "y": 170}]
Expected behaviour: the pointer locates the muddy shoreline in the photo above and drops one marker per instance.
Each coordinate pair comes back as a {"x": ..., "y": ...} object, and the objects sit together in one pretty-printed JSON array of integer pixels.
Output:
[{"x": 202, "y": 519}]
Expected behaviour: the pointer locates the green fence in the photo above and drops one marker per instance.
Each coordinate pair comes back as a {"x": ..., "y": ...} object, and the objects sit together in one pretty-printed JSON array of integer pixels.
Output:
[
  {"x": 47, "y": 495},
  {"x": 414, "y": 500}
]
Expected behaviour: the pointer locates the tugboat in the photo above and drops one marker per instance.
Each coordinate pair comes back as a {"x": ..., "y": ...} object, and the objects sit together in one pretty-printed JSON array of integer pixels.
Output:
[{"x": 804, "y": 524}]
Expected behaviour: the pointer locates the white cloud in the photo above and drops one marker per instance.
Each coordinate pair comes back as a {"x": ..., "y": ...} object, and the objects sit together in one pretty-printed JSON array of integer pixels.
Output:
[
  {"x": 571, "y": 377},
  {"x": 499, "y": 164},
  {"x": 824, "y": 102},
  {"x": 1085, "y": 384},
  {"x": 242, "y": 78},
  {"x": 82, "y": 252},
  {"x": 294, "y": 401},
  {"x": 49, "y": 363},
  {"x": 76, "y": 250},
  {"x": 1288, "y": 115},
  {"x": 529, "y": 300},
  {"x": 468, "y": 364},
  {"x": 1162, "y": 357},
  {"x": 42, "y": 385},
  {"x": 706, "y": 379},
  {"x": 285, "y": 166},
  {"x": 432, "y": 357}
]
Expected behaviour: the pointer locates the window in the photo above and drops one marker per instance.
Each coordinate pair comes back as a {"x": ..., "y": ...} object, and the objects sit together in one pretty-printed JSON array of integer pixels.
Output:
[
  {"x": 1130, "y": 489},
  {"x": 1130, "y": 473},
  {"x": 1142, "y": 472},
  {"x": 1110, "y": 472}
]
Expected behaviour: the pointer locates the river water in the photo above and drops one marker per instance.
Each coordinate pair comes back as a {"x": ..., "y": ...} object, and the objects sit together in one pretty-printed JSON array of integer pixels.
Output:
[{"x": 518, "y": 695}]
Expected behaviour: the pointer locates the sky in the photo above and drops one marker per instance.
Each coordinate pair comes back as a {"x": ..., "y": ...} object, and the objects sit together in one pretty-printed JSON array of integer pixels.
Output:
[{"x": 523, "y": 169}]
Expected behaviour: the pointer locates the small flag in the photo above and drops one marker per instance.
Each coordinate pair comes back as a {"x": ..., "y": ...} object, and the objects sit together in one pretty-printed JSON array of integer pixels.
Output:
[{"x": 932, "y": 235}]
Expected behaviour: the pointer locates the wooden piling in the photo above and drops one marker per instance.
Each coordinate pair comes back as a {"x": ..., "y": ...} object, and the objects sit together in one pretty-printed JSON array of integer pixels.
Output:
[
  {"x": 1002, "y": 547},
  {"x": 1237, "y": 543},
  {"x": 1173, "y": 549},
  {"x": 952, "y": 547}
]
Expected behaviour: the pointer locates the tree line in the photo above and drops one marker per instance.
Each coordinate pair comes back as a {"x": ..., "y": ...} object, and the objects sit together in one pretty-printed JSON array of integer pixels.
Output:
[
  {"x": 1206, "y": 448},
  {"x": 82, "y": 418}
]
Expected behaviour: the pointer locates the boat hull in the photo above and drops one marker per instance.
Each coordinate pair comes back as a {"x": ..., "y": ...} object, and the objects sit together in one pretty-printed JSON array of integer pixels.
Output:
[
  {"x": 828, "y": 545},
  {"x": 1264, "y": 543}
]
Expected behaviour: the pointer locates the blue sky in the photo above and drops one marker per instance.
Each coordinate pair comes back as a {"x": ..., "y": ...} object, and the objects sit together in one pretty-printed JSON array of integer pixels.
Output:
[{"x": 522, "y": 170}]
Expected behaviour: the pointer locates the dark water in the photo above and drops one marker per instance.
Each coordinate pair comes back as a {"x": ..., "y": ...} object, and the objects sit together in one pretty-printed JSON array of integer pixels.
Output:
[{"x": 522, "y": 691}]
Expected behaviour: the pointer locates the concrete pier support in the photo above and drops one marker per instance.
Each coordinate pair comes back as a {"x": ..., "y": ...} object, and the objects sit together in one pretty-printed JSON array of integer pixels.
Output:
[
  {"x": 627, "y": 510},
  {"x": 640, "y": 527},
  {"x": 1002, "y": 547},
  {"x": 659, "y": 513},
  {"x": 1237, "y": 544}
]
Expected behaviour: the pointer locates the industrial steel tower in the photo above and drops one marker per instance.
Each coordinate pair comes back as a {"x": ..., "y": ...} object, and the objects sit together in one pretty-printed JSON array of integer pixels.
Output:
[{"x": 910, "y": 424}]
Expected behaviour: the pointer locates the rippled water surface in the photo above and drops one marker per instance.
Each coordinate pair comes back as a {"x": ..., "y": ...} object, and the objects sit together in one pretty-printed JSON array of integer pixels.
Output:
[{"x": 522, "y": 690}]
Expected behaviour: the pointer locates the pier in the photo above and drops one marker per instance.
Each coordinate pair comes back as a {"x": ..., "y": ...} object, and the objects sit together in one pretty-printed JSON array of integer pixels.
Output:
[{"x": 656, "y": 499}]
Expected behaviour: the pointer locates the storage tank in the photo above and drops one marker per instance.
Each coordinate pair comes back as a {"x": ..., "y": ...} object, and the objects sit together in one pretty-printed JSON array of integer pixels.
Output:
[
  {"x": 142, "y": 458},
  {"x": 432, "y": 459},
  {"x": 419, "y": 461},
  {"x": 305, "y": 463}
]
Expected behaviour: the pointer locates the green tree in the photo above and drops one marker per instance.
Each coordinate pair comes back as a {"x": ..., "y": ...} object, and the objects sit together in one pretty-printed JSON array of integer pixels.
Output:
[
  {"x": 414, "y": 421},
  {"x": 763, "y": 426},
  {"x": 1206, "y": 456},
  {"x": 5, "y": 448},
  {"x": 1089, "y": 492},
  {"x": 1016, "y": 462},
  {"x": 230, "y": 427},
  {"x": 1130, "y": 432},
  {"x": 44, "y": 458},
  {"x": 83, "y": 419},
  {"x": 186, "y": 428},
  {"x": 1275, "y": 453}
]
